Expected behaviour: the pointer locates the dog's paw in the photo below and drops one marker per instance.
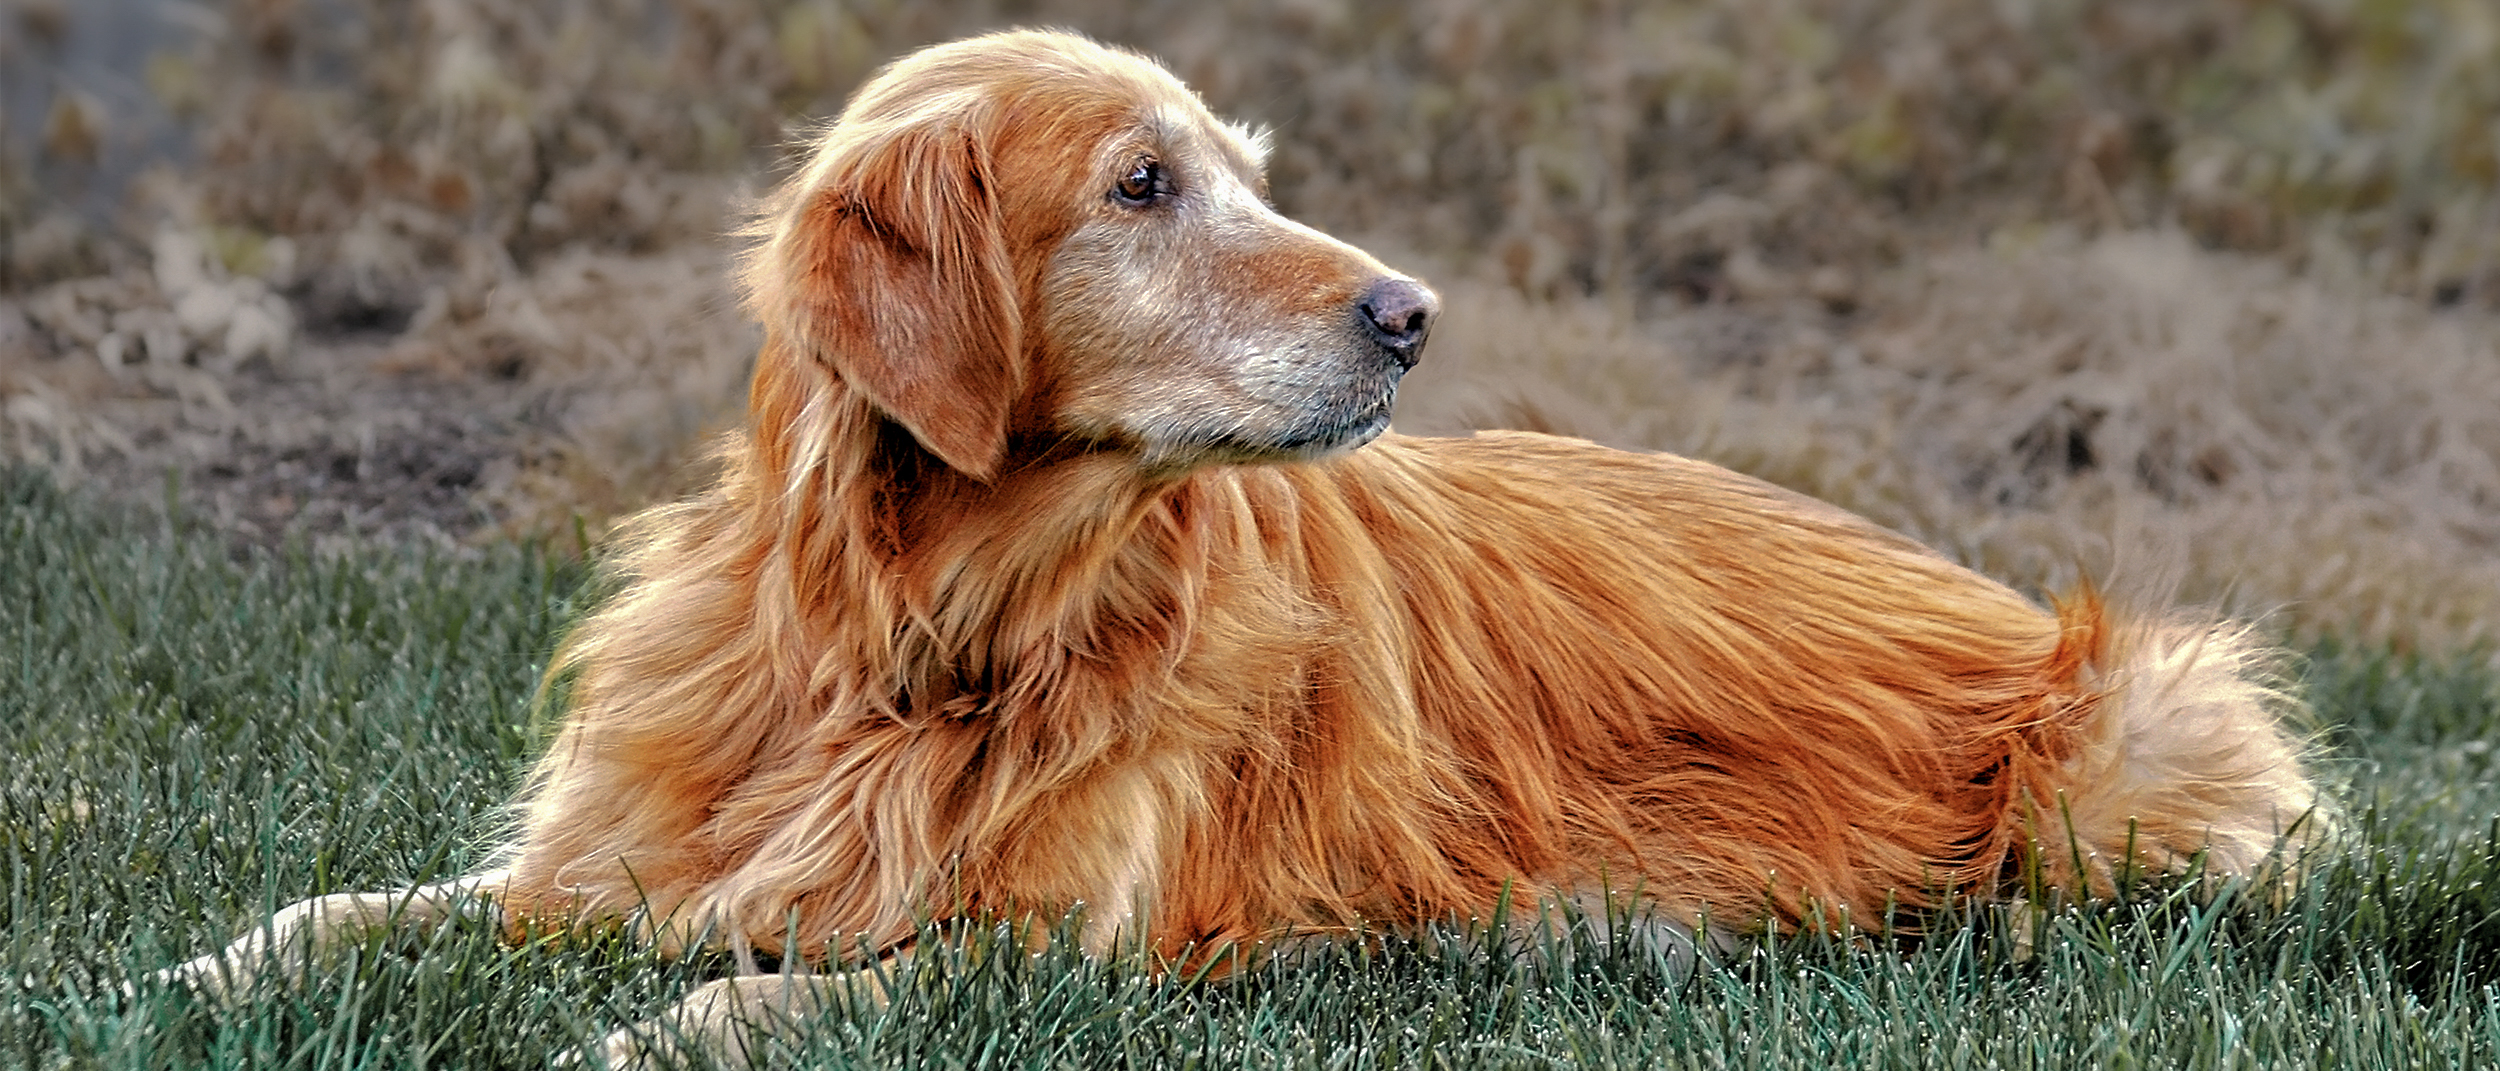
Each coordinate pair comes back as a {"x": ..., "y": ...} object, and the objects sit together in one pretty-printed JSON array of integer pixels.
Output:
[
  {"x": 710, "y": 1023},
  {"x": 254, "y": 960},
  {"x": 636, "y": 1048},
  {"x": 730, "y": 1023},
  {"x": 206, "y": 977},
  {"x": 280, "y": 950},
  {"x": 212, "y": 976},
  {"x": 310, "y": 932}
]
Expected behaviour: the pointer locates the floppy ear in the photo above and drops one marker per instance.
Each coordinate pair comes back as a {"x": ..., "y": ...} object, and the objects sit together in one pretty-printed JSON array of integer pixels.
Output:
[{"x": 893, "y": 270}]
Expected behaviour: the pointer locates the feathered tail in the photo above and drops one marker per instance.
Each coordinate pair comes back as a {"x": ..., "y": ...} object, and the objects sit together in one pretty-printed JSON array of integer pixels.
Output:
[{"x": 2188, "y": 745}]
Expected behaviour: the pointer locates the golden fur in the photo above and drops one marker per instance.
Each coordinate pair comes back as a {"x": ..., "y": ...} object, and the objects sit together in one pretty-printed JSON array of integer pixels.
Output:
[{"x": 1054, "y": 570}]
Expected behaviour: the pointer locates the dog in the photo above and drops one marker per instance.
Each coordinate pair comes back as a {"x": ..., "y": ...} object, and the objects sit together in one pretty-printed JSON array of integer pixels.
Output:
[{"x": 1067, "y": 564}]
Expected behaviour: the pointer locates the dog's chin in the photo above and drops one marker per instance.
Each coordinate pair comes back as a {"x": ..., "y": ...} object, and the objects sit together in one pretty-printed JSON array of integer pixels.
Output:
[
  {"x": 1341, "y": 437},
  {"x": 1326, "y": 433}
]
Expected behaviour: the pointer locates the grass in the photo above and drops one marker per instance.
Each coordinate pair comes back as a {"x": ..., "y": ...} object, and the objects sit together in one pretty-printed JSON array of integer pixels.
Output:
[
  {"x": 195, "y": 735},
  {"x": 2241, "y": 258}
]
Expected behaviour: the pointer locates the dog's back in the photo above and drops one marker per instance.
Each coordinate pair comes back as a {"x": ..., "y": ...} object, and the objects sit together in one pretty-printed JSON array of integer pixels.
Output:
[{"x": 1623, "y": 668}]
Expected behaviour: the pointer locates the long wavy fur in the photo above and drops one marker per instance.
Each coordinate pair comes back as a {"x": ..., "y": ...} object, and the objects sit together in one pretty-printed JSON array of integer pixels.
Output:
[{"x": 913, "y": 656}]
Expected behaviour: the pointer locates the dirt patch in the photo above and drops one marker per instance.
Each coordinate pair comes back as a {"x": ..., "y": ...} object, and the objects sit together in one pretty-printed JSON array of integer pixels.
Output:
[
  {"x": 331, "y": 443},
  {"x": 356, "y": 451},
  {"x": 583, "y": 390}
]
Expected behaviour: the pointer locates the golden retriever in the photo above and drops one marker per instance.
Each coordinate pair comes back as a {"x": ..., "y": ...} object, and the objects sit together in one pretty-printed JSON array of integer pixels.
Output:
[{"x": 1066, "y": 561}]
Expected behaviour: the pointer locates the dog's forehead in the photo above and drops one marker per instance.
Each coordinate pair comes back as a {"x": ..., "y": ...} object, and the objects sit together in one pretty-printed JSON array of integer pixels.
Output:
[{"x": 1178, "y": 126}]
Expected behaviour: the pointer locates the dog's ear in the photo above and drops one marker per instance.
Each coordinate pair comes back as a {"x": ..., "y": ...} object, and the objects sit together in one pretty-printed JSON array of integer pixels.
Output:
[{"x": 893, "y": 268}]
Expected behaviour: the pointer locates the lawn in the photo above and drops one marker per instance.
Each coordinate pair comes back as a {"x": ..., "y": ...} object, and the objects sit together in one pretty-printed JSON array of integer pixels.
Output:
[
  {"x": 197, "y": 733},
  {"x": 2212, "y": 287}
]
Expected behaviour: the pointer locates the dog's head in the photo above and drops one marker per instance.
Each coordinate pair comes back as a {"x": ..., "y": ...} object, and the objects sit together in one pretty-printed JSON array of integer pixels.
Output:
[{"x": 1032, "y": 237}]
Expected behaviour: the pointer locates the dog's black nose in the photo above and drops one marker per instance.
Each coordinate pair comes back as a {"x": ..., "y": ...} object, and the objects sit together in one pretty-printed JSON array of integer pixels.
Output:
[{"x": 1399, "y": 314}]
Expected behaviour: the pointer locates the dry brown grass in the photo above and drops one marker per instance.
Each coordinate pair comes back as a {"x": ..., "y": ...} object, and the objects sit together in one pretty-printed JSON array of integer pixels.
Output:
[
  {"x": 2047, "y": 282},
  {"x": 2128, "y": 407}
]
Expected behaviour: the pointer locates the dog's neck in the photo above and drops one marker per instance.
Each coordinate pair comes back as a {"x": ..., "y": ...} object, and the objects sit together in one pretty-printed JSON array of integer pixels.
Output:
[{"x": 1065, "y": 554}]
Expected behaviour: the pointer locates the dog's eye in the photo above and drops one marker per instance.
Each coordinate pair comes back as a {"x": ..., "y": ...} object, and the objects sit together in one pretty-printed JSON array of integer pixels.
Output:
[{"x": 1144, "y": 182}]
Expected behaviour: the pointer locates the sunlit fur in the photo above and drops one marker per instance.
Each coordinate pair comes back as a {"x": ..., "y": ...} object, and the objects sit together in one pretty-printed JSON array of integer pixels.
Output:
[{"x": 980, "y": 617}]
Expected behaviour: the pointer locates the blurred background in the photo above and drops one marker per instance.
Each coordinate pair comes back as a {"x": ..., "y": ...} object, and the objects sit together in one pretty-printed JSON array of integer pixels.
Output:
[{"x": 2202, "y": 293}]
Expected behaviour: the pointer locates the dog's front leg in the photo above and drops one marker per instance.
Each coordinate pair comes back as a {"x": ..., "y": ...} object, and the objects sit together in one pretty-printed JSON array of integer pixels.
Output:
[
  {"x": 311, "y": 931},
  {"x": 733, "y": 1021}
]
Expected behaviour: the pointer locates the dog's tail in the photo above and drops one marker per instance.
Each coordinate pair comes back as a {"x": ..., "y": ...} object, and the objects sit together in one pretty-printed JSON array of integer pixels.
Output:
[{"x": 2189, "y": 753}]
